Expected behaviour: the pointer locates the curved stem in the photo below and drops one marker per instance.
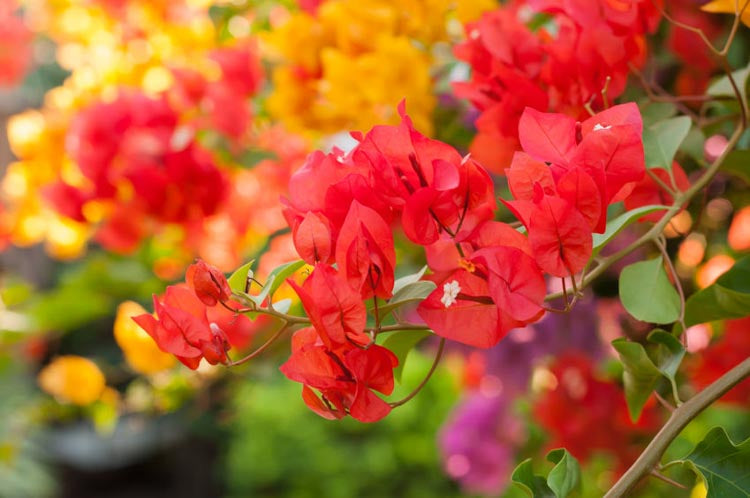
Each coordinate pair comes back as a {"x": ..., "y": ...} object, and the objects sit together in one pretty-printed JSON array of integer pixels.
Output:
[
  {"x": 427, "y": 377},
  {"x": 680, "y": 418},
  {"x": 262, "y": 348}
]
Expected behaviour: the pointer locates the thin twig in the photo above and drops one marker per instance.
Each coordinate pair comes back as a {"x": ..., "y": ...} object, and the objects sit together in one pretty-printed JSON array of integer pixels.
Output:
[{"x": 427, "y": 378}]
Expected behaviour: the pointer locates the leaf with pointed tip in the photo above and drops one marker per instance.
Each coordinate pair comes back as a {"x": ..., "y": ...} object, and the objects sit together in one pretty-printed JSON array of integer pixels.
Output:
[
  {"x": 283, "y": 305},
  {"x": 723, "y": 466},
  {"x": 238, "y": 279},
  {"x": 401, "y": 343},
  {"x": 647, "y": 294},
  {"x": 410, "y": 293},
  {"x": 667, "y": 354},
  {"x": 277, "y": 277},
  {"x": 565, "y": 477},
  {"x": 533, "y": 485},
  {"x": 402, "y": 282},
  {"x": 661, "y": 141},
  {"x": 640, "y": 374},
  {"x": 619, "y": 224}
]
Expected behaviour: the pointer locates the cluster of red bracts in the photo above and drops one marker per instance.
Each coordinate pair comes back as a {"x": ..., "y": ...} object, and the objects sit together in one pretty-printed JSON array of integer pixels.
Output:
[
  {"x": 191, "y": 324},
  {"x": 580, "y": 55},
  {"x": 491, "y": 278}
]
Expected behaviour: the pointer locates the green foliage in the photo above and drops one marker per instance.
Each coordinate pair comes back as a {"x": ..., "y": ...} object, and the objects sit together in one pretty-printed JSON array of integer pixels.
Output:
[
  {"x": 728, "y": 297},
  {"x": 238, "y": 281},
  {"x": 401, "y": 343},
  {"x": 644, "y": 366},
  {"x": 737, "y": 163},
  {"x": 662, "y": 139},
  {"x": 647, "y": 294},
  {"x": 723, "y": 466},
  {"x": 90, "y": 291},
  {"x": 618, "y": 224},
  {"x": 280, "y": 448},
  {"x": 562, "y": 480},
  {"x": 410, "y": 293}
]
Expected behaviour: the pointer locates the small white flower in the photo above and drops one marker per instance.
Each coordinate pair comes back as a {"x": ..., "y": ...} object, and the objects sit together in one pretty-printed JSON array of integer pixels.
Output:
[
  {"x": 598, "y": 127},
  {"x": 450, "y": 293}
]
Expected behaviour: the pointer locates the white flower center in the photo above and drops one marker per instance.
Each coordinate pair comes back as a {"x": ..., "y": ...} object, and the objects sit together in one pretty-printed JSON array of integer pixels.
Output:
[{"x": 450, "y": 293}]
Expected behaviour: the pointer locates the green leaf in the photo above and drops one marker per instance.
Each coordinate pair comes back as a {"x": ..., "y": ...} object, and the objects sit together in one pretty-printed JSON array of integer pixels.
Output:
[
  {"x": 667, "y": 355},
  {"x": 402, "y": 282},
  {"x": 728, "y": 297},
  {"x": 618, "y": 224},
  {"x": 661, "y": 141},
  {"x": 277, "y": 277},
  {"x": 640, "y": 375},
  {"x": 652, "y": 112},
  {"x": 647, "y": 294},
  {"x": 723, "y": 466},
  {"x": 238, "y": 279},
  {"x": 401, "y": 343},
  {"x": 565, "y": 477},
  {"x": 723, "y": 87},
  {"x": 283, "y": 305},
  {"x": 413, "y": 292},
  {"x": 251, "y": 157},
  {"x": 737, "y": 163},
  {"x": 533, "y": 485}
]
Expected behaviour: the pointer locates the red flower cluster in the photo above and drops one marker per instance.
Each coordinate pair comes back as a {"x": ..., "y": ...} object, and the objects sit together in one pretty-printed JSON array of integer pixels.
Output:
[
  {"x": 731, "y": 349},
  {"x": 132, "y": 152},
  {"x": 585, "y": 414},
  {"x": 586, "y": 47},
  {"x": 342, "y": 209},
  {"x": 224, "y": 102},
  {"x": 189, "y": 323},
  {"x": 15, "y": 45}
]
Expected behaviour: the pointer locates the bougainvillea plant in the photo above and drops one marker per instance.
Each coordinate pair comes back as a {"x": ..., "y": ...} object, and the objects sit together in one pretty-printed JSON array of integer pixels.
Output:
[
  {"x": 575, "y": 147},
  {"x": 576, "y": 177}
]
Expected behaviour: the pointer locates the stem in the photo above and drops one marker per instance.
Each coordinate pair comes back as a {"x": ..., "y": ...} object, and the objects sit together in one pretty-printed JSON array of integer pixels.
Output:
[
  {"x": 660, "y": 243},
  {"x": 262, "y": 348},
  {"x": 427, "y": 378},
  {"x": 402, "y": 326},
  {"x": 658, "y": 228},
  {"x": 680, "y": 418}
]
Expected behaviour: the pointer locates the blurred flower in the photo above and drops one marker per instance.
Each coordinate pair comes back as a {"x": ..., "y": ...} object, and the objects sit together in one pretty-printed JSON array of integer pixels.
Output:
[
  {"x": 731, "y": 348},
  {"x": 141, "y": 352},
  {"x": 15, "y": 45},
  {"x": 713, "y": 269},
  {"x": 72, "y": 379},
  {"x": 478, "y": 443},
  {"x": 739, "y": 230},
  {"x": 714, "y": 147},
  {"x": 727, "y": 7},
  {"x": 584, "y": 413}
]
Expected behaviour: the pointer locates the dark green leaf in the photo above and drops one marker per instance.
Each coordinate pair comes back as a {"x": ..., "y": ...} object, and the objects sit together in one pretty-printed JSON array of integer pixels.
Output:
[
  {"x": 533, "y": 485},
  {"x": 565, "y": 477},
  {"x": 661, "y": 141},
  {"x": 652, "y": 112},
  {"x": 723, "y": 466},
  {"x": 728, "y": 297},
  {"x": 667, "y": 355},
  {"x": 640, "y": 375},
  {"x": 401, "y": 343},
  {"x": 647, "y": 294},
  {"x": 737, "y": 163},
  {"x": 618, "y": 224},
  {"x": 238, "y": 279}
]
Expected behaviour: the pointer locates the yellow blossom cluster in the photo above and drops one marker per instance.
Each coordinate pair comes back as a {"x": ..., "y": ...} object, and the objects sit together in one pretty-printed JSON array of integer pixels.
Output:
[{"x": 349, "y": 64}]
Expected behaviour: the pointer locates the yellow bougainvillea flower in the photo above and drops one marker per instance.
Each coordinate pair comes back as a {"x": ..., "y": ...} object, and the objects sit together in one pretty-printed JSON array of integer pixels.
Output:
[
  {"x": 141, "y": 352},
  {"x": 728, "y": 7},
  {"x": 73, "y": 379}
]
